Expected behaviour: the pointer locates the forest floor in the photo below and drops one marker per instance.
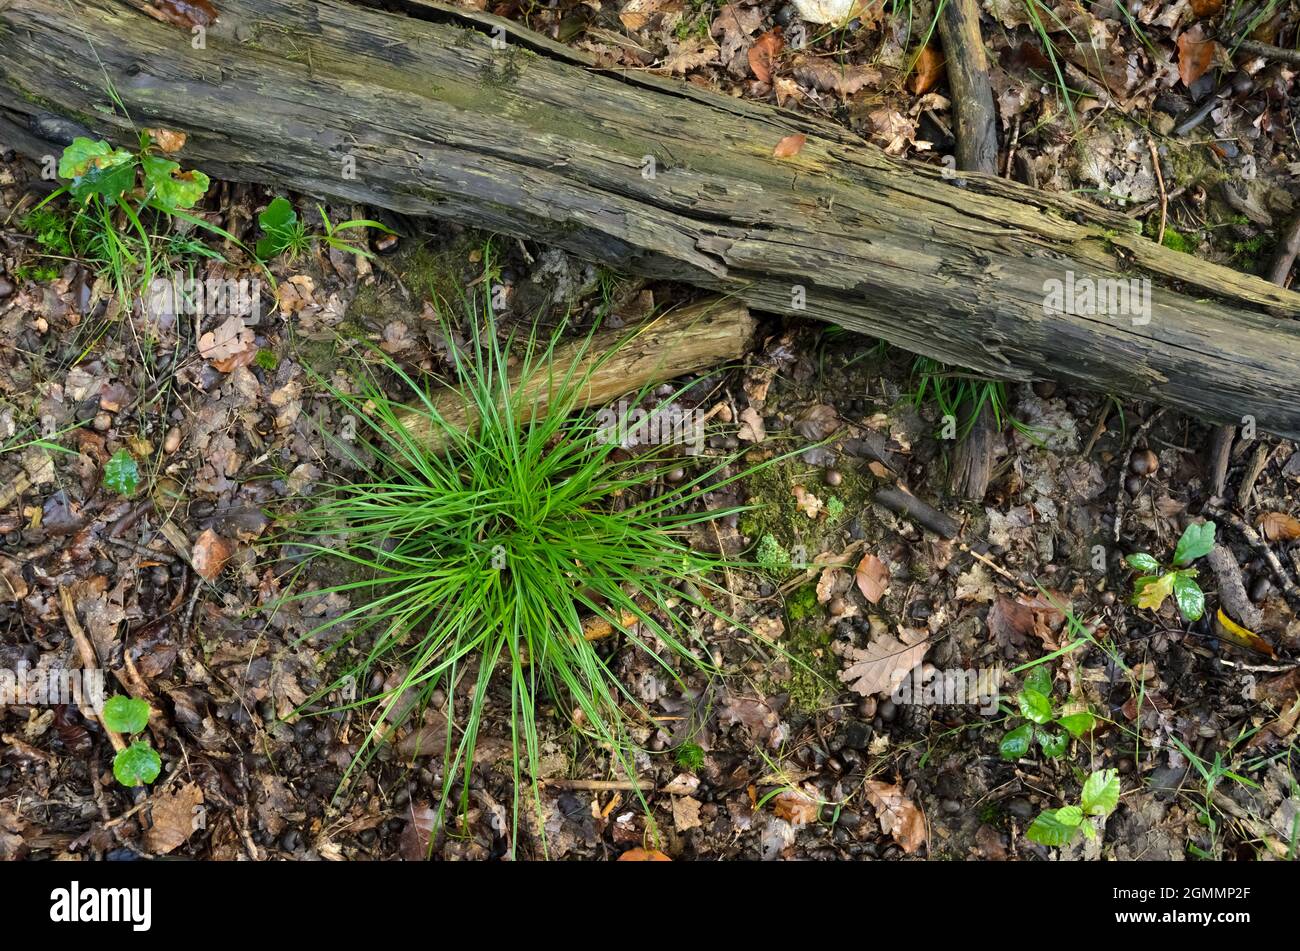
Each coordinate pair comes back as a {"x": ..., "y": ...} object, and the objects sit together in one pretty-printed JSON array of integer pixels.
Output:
[{"x": 788, "y": 753}]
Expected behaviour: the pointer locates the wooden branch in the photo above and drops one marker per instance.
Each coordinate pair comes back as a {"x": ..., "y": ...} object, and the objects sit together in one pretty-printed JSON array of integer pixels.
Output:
[
  {"x": 683, "y": 341},
  {"x": 654, "y": 177},
  {"x": 977, "y": 151}
]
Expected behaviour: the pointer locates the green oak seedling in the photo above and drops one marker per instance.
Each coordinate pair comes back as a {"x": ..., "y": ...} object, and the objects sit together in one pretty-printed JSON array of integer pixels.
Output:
[
  {"x": 1056, "y": 827},
  {"x": 1035, "y": 704},
  {"x": 139, "y": 763},
  {"x": 1156, "y": 582}
]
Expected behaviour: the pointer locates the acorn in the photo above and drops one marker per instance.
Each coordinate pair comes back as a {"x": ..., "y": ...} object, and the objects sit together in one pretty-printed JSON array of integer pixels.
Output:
[
  {"x": 1133, "y": 485},
  {"x": 1143, "y": 462},
  {"x": 834, "y": 477}
]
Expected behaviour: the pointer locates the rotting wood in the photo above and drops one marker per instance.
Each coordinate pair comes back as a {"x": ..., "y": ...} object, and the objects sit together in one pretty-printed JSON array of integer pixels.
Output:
[
  {"x": 612, "y": 363},
  {"x": 659, "y": 178}
]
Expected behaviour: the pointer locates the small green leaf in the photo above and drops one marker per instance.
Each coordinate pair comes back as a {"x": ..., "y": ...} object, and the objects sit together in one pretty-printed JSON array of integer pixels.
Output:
[
  {"x": 1055, "y": 826},
  {"x": 278, "y": 222},
  {"x": 169, "y": 189},
  {"x": 122, "y": 473},
  {"x": 1053, "y": 744},
  {"x": 1077, "y": 724},
  {"x": 126, "y": 714},
  {"x": 1016, "y": 743},
  {"x": 1039, "y": 679},
  {"x": 1143, "y": 562},
  {"x": 1188, "y": 594},
  {"x": 96, "y": 168},
  {"x": 1034, "y": 706},
  {"x": 1101, "y": 792},
  {"x": 137, "y": 765},
  {"x": 1197, "y": 541}
]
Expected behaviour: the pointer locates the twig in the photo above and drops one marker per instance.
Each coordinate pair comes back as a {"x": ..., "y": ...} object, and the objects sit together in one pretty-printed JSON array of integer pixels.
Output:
[
  {"x": 1288, "y": 246},
  {"x": 1261, "y": 547},
  {"x": 1268, "y": 51},
  {"x": 1164, "y": 198},
  {"x": 89, "y": 661}
]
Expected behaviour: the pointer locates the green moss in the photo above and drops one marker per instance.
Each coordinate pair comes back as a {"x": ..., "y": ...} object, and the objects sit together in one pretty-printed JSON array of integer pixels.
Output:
[
  {"x": 1247, "y": 255},
  {"x": 802, "y": 604},
  {"x": 772, "y": 558},
  {"x": 1176, "y": 241},
  {"x": 504, "y": 70}
]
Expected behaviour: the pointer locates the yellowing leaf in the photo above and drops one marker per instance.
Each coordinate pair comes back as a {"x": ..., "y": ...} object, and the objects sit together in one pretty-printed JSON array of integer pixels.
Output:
[
  {"x": 1153, "y": 592},
  {"x": 1229, "y": 630}
]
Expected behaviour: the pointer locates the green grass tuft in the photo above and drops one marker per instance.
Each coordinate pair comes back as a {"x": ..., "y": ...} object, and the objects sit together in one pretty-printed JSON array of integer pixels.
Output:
[{"x": 478, "y": 563}]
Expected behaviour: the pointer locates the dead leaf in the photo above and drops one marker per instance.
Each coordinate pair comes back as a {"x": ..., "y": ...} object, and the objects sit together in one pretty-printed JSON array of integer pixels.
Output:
[
  {"x": 763, "y": 54},
  {"x": 789, "y": 146},
  {"x": 826, "y": 584},
  {"x": 211, "y": 552},
  {"x": 796, "y": 807},
  {"x": 806, "y": 502},
  {"x": 231, "y": 345},
  {"x": 930, "y": 68},
  {"x": 751, "y": 426},
  {"x": 1195, "y": 54},
  {"x": 686, "y": 813},
  {"x": 898, "y": 815},
  {"x": 883, "y": 664},
  {"x": 1010, "y": 622},
  {"x": 840, "y": 78},
  {"x": 872, "y": 577},
  {"x": 817, "y": 422},
  {"x": 187, "y": 14},
  {"x": 167, "y": 140},
  {"x": 643, "y": 855},
  {"x": 1279, "y": 526},
  {"x": 13, "y": 587},
  {"x": 174, "y": 819},
  {"x": 683, "y": 57}
]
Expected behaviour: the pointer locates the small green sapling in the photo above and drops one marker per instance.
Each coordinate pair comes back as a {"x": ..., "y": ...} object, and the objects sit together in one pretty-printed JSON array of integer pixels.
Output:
[
  {"x": 1155, "y": 583},
  {"x": 139, "y": 763},
  {"x": 1035, "y": 702}
]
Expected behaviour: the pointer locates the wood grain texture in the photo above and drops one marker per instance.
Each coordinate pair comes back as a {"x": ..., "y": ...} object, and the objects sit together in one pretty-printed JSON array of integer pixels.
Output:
[
  {"x": 611, "y": 363},
  {"x": 532, "y": 140}
]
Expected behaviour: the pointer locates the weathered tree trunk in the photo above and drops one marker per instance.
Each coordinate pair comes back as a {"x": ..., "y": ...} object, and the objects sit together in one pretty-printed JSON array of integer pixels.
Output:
[{"x": 658, "y": 177}]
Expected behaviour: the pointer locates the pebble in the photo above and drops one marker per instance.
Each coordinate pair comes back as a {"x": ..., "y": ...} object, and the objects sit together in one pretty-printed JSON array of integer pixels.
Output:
[
  {"x": 1044, "y": 389},
  {"x": 951, "y": 806},
  {"x": 102, "y": 422},
  {"x": 172, "y": 441},
  {"x": 676, "y": 475},
  {"x": 834, "y": 477},
  {"x": 888, "y": 710}
]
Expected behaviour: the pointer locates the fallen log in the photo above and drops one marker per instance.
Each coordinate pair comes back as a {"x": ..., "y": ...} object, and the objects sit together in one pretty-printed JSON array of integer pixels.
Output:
[
  {"x": 431, "y": 111},
  {"x": 611, "y": 363}
]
